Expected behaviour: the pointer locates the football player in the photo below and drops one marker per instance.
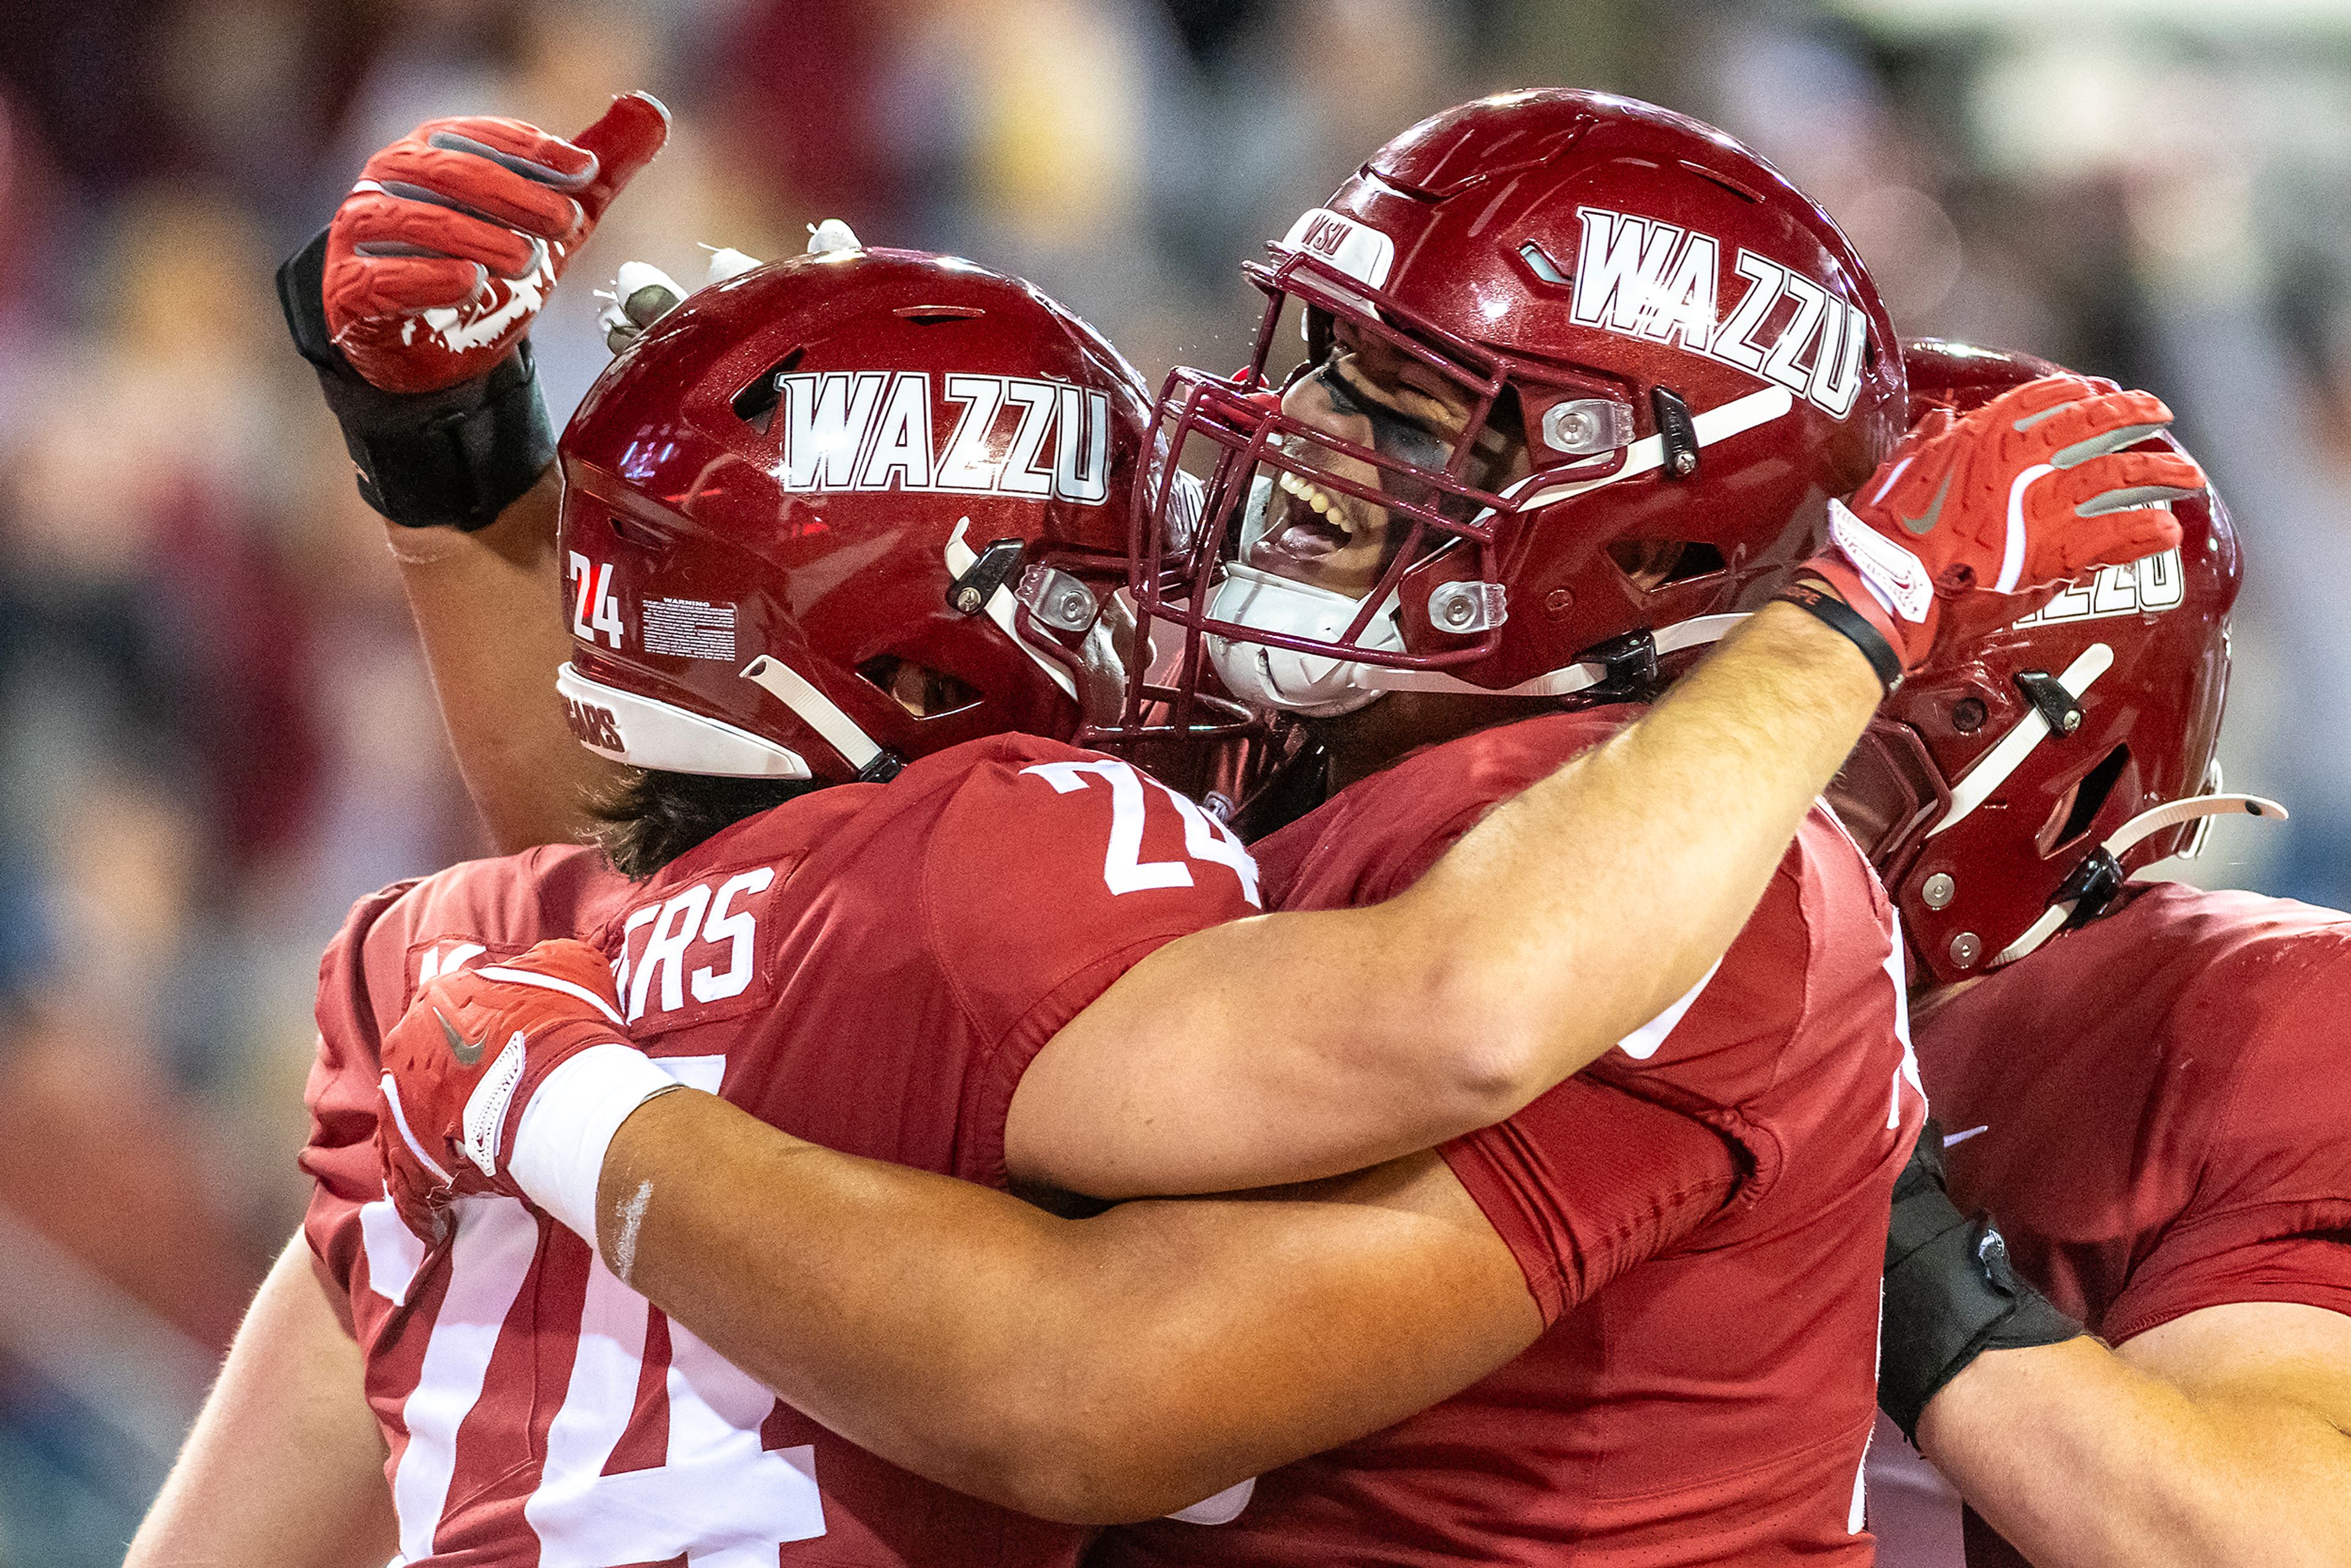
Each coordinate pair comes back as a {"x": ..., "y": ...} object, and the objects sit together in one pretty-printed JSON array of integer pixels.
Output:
[
  {"x": 746, "y": 626},
  {"x": 2138, "y": 1080},
  {"x": 1234, "y": 1376}
]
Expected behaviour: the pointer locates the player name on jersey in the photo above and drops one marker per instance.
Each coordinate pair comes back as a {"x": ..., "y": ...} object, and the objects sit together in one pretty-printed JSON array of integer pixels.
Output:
[
  {"x": 1652, "y": 280},
  {"x": 880, "y": 429}
]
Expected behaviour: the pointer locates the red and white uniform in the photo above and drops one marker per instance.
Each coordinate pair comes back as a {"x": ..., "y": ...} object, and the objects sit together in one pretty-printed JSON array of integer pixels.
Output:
[
  {"x": 871, "y": 967},
  {"x": 2154, "y": 1109},
  {"x": 1711, "y": 1404}
]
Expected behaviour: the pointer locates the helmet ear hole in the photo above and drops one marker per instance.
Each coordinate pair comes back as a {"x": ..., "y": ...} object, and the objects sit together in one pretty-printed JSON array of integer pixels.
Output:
[
  {"x": 2074, "y": 815},
  {"x": 1653, "y": 564},
  {"x": 923, "y": 692}
]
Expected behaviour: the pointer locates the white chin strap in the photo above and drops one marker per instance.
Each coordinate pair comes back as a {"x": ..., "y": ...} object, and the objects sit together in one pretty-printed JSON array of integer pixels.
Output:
[
  {"x": 1320, "y": 687},
  {"x": 2153, "y": 820}
]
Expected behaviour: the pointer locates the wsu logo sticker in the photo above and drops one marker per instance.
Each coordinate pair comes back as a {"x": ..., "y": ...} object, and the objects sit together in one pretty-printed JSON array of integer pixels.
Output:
[{"x": 1004, "y": 435}]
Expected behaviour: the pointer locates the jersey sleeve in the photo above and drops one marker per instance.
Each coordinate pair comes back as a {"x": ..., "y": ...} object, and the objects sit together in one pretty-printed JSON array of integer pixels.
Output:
[
  {"x": 340, "y": 1155},
  {"x": 2270, "y": 1217},
  {"x": 1589, "y": 1180},
  {"x": 1044, "y": 880}
]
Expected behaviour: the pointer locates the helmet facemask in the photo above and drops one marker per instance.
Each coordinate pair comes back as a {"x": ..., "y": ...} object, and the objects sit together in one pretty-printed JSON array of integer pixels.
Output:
[{"x": 1287, "y": 527}]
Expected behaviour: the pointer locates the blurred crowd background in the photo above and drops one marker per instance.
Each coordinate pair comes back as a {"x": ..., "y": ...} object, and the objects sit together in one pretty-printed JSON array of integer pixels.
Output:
[{"x": 214, "y": 729}]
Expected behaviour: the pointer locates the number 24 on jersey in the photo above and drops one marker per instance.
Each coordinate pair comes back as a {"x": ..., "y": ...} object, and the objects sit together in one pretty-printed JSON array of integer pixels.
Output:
[{"x": 1124, "y": 870}]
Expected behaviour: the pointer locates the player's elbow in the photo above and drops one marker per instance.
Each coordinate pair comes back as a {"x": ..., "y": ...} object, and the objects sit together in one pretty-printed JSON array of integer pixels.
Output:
[
  {"x": 1482, "y": 1046},
  {"x": 1061, "y": 1465}
]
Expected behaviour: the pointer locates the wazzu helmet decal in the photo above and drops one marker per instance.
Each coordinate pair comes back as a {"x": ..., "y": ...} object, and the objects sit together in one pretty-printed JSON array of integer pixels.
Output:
[
  {"x": 841, "y": 511},
  {"x": 1688, "y": 351},
  {"x": 2010, "y": 785}
]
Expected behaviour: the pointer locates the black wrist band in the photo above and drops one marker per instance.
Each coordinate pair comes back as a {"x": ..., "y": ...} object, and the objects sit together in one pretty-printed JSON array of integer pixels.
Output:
[
  {"x": 453, "y": 458},
  {"x": 1841, "y": 617},
  {"x": 1950, "y": 1292}
]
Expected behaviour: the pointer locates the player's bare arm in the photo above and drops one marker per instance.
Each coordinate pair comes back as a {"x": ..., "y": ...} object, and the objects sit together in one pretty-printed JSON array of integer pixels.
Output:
[
  {"x": 492, "y": 622},
  {"x": 1302, "y": 1045},
  {"x": 2222, "y": 1435},
  {"x": 1095, "y": 1370},
  {"x": 2220, "y": 1438},
  {"x": 285, "y": 1467}
]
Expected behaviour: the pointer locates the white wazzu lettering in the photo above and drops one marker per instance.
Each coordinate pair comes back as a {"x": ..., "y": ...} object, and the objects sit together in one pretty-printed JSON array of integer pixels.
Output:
[
  {"x": 877, "y": 429},
  {"x": 1652, "y": 280},
  {"x": 2143, "y": 588}
]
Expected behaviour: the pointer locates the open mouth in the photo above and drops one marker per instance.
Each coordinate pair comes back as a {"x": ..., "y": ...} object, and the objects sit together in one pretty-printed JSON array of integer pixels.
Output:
[{"x": 1306, "y": 525}]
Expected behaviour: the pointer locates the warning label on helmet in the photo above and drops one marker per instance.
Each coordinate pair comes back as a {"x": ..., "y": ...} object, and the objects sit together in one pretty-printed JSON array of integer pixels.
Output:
[{"x": 690, "y": 629}]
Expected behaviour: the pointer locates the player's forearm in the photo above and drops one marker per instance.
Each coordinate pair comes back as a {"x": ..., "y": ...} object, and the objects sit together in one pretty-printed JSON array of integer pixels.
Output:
[
  {"x": 1582, "y": 909},
  {"x": 1094, "y": 1371},
  {"x": 285, "y": 1466},
  {"x": 2082, "y": 1460},
  {"x": 489, "y": 609}
]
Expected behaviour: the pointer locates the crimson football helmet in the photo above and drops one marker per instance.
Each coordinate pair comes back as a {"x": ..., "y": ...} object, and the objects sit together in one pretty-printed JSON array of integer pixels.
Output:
[
  {"x": 838, "y": 512},
  {"x": 2008, "y": 786},
  {"x": 1685, "y": 348}
]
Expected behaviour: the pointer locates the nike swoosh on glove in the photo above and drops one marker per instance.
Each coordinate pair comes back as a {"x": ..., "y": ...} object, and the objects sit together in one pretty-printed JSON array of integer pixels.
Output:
[
  {"x": 2017, "y": 497},
  {"x": 463, "y": 1063},
  {"x": 444, "y": 251}
]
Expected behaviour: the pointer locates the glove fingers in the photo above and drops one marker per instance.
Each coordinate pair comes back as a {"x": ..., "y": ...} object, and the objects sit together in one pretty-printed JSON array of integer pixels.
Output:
[
  {"x": 574, "y": 963},
  {"x": 380, "y": 223},
  {"x": 512, "y": 144},
  {"x": 389, "y": 286},
  {"x": 622, "y": 142},
  {"x": 2122, "y": 481},
  {"x": 2035, "y": 403},
  {"x": 2115, "y": 538},
  {"x": 473, "y": 183},
  {"x": 2097, "y": 426}
]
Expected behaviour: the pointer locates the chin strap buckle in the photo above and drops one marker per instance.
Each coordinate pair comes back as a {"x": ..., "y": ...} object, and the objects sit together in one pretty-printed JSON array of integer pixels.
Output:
[
  {"x": 1628, "y": 667},
  {"x": 2056, "y": 703},
  {"x": 2090, "y": 887},
  {"x": 969, "y": 594}
]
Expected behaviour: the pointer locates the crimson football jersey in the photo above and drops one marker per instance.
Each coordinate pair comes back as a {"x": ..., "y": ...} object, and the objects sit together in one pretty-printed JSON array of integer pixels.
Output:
[
  {"x": 1712, "y": 1403},
  {"x": 2153, "y": 1108},
  {"x": 871, "y": 967}
]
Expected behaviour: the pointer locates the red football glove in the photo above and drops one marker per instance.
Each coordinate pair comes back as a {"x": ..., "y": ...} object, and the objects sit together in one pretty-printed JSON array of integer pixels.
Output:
[
  {"x": 454, "y": 235},
  {"x": 465, "y": 1060},
  {"x": 2015, "y": 497}
]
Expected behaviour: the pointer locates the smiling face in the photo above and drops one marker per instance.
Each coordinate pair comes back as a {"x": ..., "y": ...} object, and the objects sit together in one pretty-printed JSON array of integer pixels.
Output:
[{"x": 1371, "y": 394}]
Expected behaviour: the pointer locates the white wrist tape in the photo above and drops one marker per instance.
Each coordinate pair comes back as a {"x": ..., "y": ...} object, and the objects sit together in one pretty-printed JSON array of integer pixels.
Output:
[
  {"x": 1896, "y": 577},
  {"x": 558, "y": 1154}
]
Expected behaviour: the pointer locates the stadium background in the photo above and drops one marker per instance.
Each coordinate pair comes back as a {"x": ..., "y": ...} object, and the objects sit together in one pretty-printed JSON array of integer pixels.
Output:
[{"x": 216, "y": 731}]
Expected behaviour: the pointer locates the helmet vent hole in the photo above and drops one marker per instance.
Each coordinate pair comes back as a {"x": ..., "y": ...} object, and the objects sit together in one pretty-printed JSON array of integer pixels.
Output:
[
  {"x": 2075, "y": 814},
  {"x": 1654, "y": 564},
  {"x": 935, "y": 315},
  {"x": 1540, "y": 263},
  {"x": 755, "y": 405},
  {"x": 923, "y": 692},
  {"x": 1716, "y": 177}
]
